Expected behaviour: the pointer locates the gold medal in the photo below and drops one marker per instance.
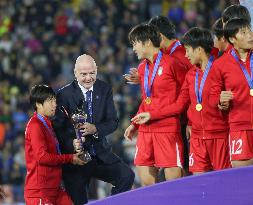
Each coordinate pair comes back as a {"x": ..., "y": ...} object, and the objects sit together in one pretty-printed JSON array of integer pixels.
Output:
[
  {"x": 148, "y": 100},
  {"x": 251, "y": 92},
  {"x": 198, "y": 107}
]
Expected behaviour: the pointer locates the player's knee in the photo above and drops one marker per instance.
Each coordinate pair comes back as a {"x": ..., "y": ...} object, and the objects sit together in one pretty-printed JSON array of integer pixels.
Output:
[
  {"x": 173, "y": 173},
  {"x": 147, "y": 180}
]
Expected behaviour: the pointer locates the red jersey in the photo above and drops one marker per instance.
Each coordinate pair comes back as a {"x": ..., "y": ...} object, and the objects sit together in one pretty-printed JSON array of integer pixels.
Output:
[
  {"x": 165, "y": 89},
  {"x": 228, "y": 75},
  {"x": 229, "y": 48},
  {"x": 215, "y": 52},
  {"x": 179, "y": 54},
  {"x": 182, "y": 63},
  {"x": 43, "y": 163},
  {"x": 209, "y": 122}
]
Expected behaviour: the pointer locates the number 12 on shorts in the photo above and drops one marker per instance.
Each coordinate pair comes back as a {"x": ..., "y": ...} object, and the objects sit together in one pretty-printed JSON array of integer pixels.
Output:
[{"x": 236, "y": 146}]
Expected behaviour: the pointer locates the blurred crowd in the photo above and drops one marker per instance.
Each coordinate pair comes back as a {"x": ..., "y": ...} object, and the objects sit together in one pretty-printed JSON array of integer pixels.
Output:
[{"x": 39, "y": 42}]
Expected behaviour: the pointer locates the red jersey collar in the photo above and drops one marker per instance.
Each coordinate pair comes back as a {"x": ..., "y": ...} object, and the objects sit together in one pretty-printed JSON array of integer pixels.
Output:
[
  {"x": 228, "y": 49},
  {"x": 35, "y": 114},
  {"x": 167, "y": 50},
  {"x": 154, "y": 57}
]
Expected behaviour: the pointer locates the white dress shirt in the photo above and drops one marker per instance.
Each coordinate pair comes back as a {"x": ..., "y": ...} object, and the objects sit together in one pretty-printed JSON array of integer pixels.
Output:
[{"x": 84, "y": 90}]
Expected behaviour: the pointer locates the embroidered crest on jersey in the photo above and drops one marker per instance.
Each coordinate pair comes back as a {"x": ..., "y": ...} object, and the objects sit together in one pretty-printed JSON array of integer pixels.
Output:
[{"x": 160, "y": 71}]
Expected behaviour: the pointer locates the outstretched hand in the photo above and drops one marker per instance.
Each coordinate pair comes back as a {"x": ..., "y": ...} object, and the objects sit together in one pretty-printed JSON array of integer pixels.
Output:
[
  {"x": 141, "y": 118},
  {"x": 130, "y": 132},
  {"x": 132, "y": 77}
]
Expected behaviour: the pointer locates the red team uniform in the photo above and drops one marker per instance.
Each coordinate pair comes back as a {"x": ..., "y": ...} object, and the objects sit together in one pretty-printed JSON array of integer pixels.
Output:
[
  {"x": 179, "y": 55},
  {"x": 228, "y": 75},
  {"x": 44, "y": 174},
  {"x": 182, "y": 63},
  {"x": 159, "y": 142},
  {"x": 209, "y": 148}
]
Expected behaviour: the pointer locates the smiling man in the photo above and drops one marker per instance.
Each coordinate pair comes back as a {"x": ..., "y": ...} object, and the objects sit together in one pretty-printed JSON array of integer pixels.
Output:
[{"x": 95, "y": 98}]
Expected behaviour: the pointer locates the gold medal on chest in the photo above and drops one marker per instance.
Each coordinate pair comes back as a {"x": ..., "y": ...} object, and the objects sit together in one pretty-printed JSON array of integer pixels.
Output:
[
  {"x": 148, "y": 100},
  {"x": 251, "y": 92},
  {"x": 198, "y": 107}
]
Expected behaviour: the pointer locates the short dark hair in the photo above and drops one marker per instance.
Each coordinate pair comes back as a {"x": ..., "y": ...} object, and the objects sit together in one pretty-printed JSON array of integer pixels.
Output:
[
  {"x": 233, "y": 26},
  {"x": 217, "y": 28},
  {"x": 41, "y": 93},
  {"x": 235, "y": 11},
  {"x": 198, "y": 37},
  {"x": 164, "y": 26},
  {"x": 143, "y": 33}
]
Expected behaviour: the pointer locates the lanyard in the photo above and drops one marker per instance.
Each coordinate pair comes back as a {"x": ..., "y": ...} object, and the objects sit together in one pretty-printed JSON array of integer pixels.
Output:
[
  {"x": 199, "y": 91},
  {"x": 245, "y": 72},
  {"x": 146, "y": 87},
  {"x": 50, "y": 131},
  {"x": 174, "y": 47}
]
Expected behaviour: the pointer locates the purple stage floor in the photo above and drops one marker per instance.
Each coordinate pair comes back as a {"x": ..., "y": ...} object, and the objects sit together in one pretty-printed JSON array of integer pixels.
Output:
[{"x": 227, "y": 187}]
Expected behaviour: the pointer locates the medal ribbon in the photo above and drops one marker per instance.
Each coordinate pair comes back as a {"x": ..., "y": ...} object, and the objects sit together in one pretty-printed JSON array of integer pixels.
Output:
[
  {"x": 174, "y": 47},
  {"x": 245, "y": 72},
  {"x": 199, "y": 91},
  {"x": 51, "y": 132},
  {"x": 146, "y": 87}
]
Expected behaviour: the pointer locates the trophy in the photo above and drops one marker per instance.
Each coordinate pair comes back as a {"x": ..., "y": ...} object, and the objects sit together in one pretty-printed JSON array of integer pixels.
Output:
[{"x": 77, "y": 118}]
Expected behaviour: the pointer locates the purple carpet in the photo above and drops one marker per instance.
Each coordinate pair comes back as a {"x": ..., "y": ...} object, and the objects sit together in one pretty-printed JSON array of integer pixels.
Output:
[{"x": 227, "y": 187}]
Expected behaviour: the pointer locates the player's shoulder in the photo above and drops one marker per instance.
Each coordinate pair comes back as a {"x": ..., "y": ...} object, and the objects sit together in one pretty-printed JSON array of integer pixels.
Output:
[
  {"x": 191, "y": 72},
  {"x": 142, "y": 64},
  {"x": 222, "y": 61},
  {"x": 168, "y": 59},
  {"x": 34, "y": 123}
]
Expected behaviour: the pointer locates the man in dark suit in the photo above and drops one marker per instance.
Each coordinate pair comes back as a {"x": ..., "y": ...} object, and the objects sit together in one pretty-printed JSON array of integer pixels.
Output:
[{"x": 102, "y": 120}]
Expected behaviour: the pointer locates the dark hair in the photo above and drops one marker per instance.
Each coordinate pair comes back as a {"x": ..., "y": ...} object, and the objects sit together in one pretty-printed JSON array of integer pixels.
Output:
[
  {"x": 235, "y": 11},
  {"x": 198, "y": 37},
  {"x": 41, "y": 93},
  {"x": 143, "y": 33},
  {"x": 164, "y": 26},
  {"x": 218, "y": 28},
  {"x": 233, "y": 26}
]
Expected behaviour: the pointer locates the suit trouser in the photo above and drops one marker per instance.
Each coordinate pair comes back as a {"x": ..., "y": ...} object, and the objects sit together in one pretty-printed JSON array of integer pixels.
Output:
[{"x": 77, "y": 181}]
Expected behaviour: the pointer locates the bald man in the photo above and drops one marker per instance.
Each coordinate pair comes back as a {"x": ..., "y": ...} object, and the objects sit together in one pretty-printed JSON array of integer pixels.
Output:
[{"x": 95, "y": 98}]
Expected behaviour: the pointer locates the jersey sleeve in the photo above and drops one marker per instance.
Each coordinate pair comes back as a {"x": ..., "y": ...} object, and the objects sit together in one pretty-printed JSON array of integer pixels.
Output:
[{"x": 41, "y": 150}]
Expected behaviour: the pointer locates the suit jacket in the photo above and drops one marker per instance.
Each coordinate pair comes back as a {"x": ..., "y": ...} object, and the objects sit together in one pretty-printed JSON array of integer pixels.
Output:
[{"x": 104, "y": 118}]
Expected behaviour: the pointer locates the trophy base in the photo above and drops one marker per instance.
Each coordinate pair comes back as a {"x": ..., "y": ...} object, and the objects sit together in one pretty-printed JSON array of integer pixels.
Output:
[{"x": 86, "y": 157}]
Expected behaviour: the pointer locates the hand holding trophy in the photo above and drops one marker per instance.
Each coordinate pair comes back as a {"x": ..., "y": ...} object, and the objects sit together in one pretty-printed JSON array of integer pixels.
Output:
[{"x": 78, "y": 118}]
